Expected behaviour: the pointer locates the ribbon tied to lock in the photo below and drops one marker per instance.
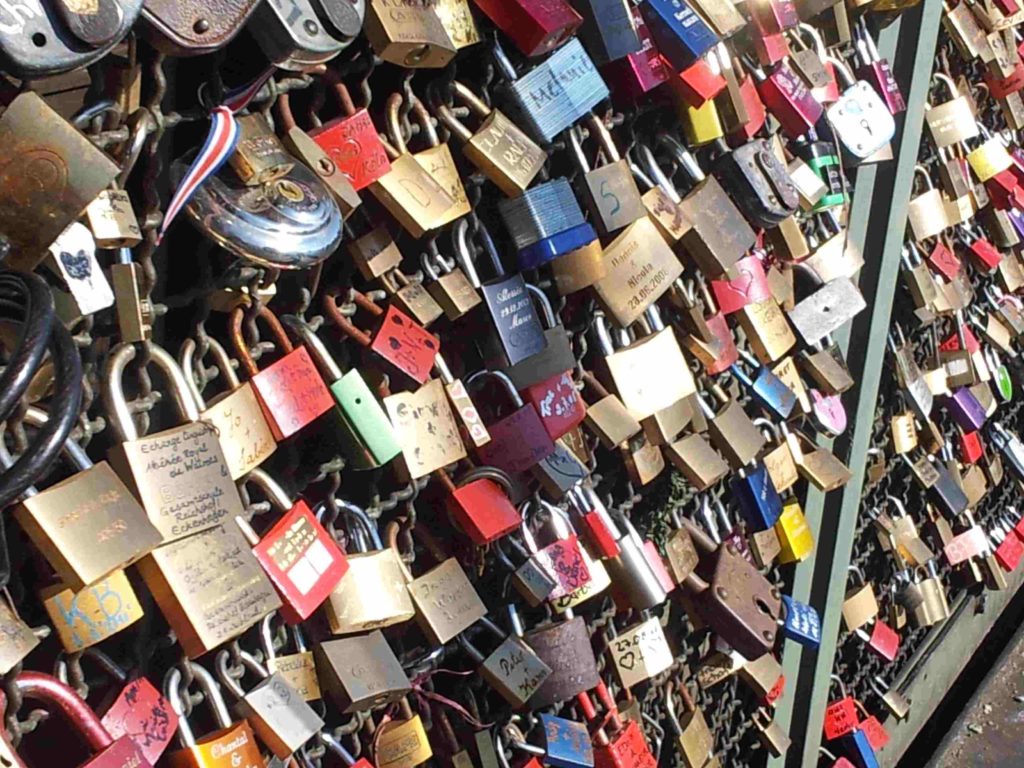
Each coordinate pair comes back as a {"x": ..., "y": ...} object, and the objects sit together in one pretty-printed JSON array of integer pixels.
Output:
[{"x": 220, "y": 143}]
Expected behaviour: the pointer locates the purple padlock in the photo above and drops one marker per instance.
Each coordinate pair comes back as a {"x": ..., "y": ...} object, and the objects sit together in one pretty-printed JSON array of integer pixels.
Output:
[{"x": 965, "y": 409}]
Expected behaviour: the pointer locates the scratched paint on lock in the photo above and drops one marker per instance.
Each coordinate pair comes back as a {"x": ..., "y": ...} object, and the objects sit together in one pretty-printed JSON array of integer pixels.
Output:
[{"x": 84, "y": 618}]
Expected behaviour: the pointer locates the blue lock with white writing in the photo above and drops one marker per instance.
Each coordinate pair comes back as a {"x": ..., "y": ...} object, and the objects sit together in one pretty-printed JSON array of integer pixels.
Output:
[
  {"x": 801, "y": 622},
  {"x": 680, "y": 34},
  {"x": 759, "y": 501},
  {"x": 567, "y": 743}
]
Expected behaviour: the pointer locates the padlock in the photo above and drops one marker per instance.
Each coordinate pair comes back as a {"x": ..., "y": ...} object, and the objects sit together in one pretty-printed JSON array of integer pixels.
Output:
[
  {"x": 860, "y": 604},
  {"x": 770, "y": 733},
  {"x": 639, "y": 73},
  {"x": 518, "y": 440},
  {"x": 758, "y": 182},
  {"x": 699, "y": 82},
  {"x": 410, "y": 296},
  {"x": 233, "y": 743},
  {"x": 841, "y": 715},
  {"x": 789, "y": 99},
  {"x": 366, "y": 434},
  {"x": 609, "y": 190},
  {"x": 744, "y": 617},
  {"x": 351, "y": 140},
  {"x": 556, "y": 93},
  {"x": 451, "y": 288},
  {"x": 402, "y": 743},
  {"x": 298, "y": 668},
  {"x": 181, "y": 31},
  {"x": 512, "y": 668},
  {"x": 411, "y": 37},
  {"x": 85, "y": 617},
  {"x": 801, "y": 622},
  {"x": 437, "y": 160},
  {"x": 112, "y": 220},
  {"x": 243, "y": 431},
  {"x": 731, "y": 430},
  {"x": 290, "y": 390},
  {"x": 101, "y": 529},
  {"x": 405, "y": 346},
  {"x": 181, "y": 497},
  {"x": 445, "y": 599},
  {"x": 608, "y": 418},
  {"x": 275, "y": 711},
  {"x": 778, "y": 458},
  {"x": 545, "y": 222},
  {"x": 825, "y": 310},
  {"x": 720, "y": 235},
  {"x": 499, "y": 148},
  {"x": 535, "y": 27},
  {"x": 302, "y": 560},
  {"x": 823, "y": 158},
  {"x": 651, "y": 374},
  {"x": 479, "y": 502},
  {"x": 812, "y": 64},
  {"x": 769, "y": 391},
  {"x": 895, "y": 702},
  {"x": 709, "y": 339},
  {"x": 680, "y": 34},
  {"x": 308, "y": 33},
  {"x": 33, "y": 131},
  {"x": 372, "y": 594},
  {"x": 759, "y": 501},
  {"x": 694, "y": 737},
  {"x": 360, "y": 672},
  {"x": 883, "y": 640},
  {"x": 640, "y": 652},
  {"x": 565, "y": 647},
  {"x": 860, "y": 119},
  {"x": 259, "y": 157}
]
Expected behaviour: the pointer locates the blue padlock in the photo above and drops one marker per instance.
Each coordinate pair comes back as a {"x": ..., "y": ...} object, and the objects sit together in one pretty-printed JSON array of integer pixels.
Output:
[
  {"x": 856, "y": 746},
  {"x": 567, "y": 743},
  {"x": 759, "y": 501},
  {"x": 771, "y": 392},
  {"x": 550, "y": 248},
  {"x": 680, "y": 34},
  {"x": 801, "y": 623}
]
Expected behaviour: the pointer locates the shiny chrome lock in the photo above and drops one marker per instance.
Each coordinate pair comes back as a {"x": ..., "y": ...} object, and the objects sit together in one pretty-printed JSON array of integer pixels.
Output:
[{"x": 301, "y": 34}]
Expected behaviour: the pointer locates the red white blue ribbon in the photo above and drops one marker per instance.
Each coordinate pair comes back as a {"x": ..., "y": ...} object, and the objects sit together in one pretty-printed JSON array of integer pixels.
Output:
[{"x": 220, "y": 144}]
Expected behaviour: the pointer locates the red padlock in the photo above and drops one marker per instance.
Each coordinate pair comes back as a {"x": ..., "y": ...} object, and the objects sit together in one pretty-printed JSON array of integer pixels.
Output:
[
  {"x": 352, "y": 141},
  {"x": 771, "y": 48},
  {"x": 56, "y": 697},
  {"x": 1001, "y": 87},
  {"x": 598, "y": 527},
  {"x": 558, "y": 402},
  {"x": 841, "y": 715},
  {"x": 788, "y": 98},
  {"x": 773, "y": 16},
  {"x": 944, "y": 261},
  {"x": 637, "y": 74},
  {"x": 535, "y": 26},
  {"x": 301, "y": 559},
  {"x": 1009, "y": 551},
  {"x": 971, "y": 448},
  {"x": 1004, "y": 191},
  {"x": 291, "y": 391},
  {"x": 143, "y": 714},
  {"x": 756, "y": 113},
  {"x": 698, "y": 83},
  {"x": 563, "y": 559},
  {"x": 402, "y": 342},
  {"x": 984, "y": 255},
  {"x": 883, "y": 640},
  {"x": 480, "y": 504},
  {"x": 875, "y": 732},
  {"x": 519, "y": 440},
  {"x": 620, "y": 744},
  {"x": 749, "y": 287}
]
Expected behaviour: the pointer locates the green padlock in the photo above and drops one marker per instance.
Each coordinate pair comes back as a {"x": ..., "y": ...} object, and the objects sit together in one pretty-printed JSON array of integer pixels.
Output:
[{"x": 369, "y": 438}]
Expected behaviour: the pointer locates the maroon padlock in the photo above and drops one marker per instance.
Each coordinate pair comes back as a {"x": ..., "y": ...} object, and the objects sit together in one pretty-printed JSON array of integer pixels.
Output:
[
  {"x": 788, "y": 98},
  {"x": 519, "y": 440},
  {"x": 535, "y": 26}
]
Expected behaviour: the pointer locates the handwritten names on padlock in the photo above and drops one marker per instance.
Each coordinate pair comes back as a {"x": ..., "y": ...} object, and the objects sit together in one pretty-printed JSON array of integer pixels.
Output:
[
  {"x": 292, "y": 392},
  {"x": 406, "y": 345},
  {"x": 446, "y": 600},
  {"x": 181, "y": 478},
  {"x": 641, "y": 653},
  {"x": 518, "y": 668},
  {"x": 425, "y": 428},
  {"x": 209, "y": 587},
  {"x": 90, "y": 615},
  {"x": 16, "y": 638},
  {"x": 142, "y": 714},
  {"x": 564, "y": 560},
  {"x": 245, "y": 436}
]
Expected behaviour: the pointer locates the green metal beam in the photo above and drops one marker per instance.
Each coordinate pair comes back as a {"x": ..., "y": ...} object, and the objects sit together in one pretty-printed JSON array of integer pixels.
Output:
[{"x": 867, "y": 357}]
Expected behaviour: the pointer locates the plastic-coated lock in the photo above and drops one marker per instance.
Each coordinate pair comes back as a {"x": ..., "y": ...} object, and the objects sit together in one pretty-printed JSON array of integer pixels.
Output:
[
  {"x": 801, "y": 622},
  {"x": 567, "y": 743}
]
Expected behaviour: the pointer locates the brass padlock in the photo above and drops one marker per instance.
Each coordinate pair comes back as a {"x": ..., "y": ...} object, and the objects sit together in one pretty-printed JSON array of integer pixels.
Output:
[
  {"x": 694, "y": 737},
  {"x": 409, "y": 34},
  {"x": 360, "y": 672}
]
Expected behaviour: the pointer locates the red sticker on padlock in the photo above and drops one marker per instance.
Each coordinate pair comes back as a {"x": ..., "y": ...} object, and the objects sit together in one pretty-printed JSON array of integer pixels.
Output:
[
  {"x": 748, "y": 287},
  {"x": 840, "y": 718},
  {"x": 627, "y": 749},
  {"x": 292, "y": 393},
  {"x": 966, "y": 545},
  {"x": 601, "y": 535},
  {"x": 563, "y": 559},
  {"x": 884, "y": 640},
  {"x": 142, "y": 714},
  {"x": 971, "y": 448},
  {"x": 944, "y": 261},
  {"x": 875, "y": 732},
  {"x": 1009, "y": 552},
  {"x": 407, "y": 345},
  {"x": 302, "y": 560}
]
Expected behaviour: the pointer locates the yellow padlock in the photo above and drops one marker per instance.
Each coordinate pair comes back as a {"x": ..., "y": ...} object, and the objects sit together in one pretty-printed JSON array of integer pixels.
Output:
[{"x": 795, "y": 535}]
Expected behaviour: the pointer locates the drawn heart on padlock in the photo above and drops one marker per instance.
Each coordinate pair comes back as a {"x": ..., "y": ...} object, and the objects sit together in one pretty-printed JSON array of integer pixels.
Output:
[{"x": 628, "y": 661}]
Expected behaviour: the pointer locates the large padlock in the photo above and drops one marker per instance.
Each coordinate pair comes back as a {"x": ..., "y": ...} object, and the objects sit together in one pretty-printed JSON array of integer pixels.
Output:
[
  {"x": 305, "y": 33},
  {"x": 360, "y": 672},
  {"x": 479, "y": 501},
  {"x": 519, "y": 439},
  {"x": 181, "y": 495},
  {"x": 565, "y": 647},
  {"x": 413, "y": 36}
]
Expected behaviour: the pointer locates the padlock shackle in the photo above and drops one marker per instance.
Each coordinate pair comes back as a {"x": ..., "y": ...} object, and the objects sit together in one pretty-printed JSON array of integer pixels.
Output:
[
  {"x": 452, "y": 123},
  {"x": 242, "y": 346},
  {"x": 392, "y": 123},
  {"x": 172, "y": 693},
  {"x": 214, "y": 697},
  {"x": 502, "y": 377},
  {"x": 657, "y": 173},
  {"x": 55, "y": 695},
  {"x": 322, "y": 358},
  {"x": 545, "y": 305},
  {"x": 341, "y": 92},
  {"x": 118, "y": 410},
  {"x": 464, "y": 253},
  {"x": 330, "y": 305},
  {"x": 272, "y": 490},
  {"x": 425, "y": 121},
  {"x": 365, "y": 521},
  {"x": 686, "y": 161},
  {"x": 186, "y": 359},
  {"x": 72, "y": 450}
]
